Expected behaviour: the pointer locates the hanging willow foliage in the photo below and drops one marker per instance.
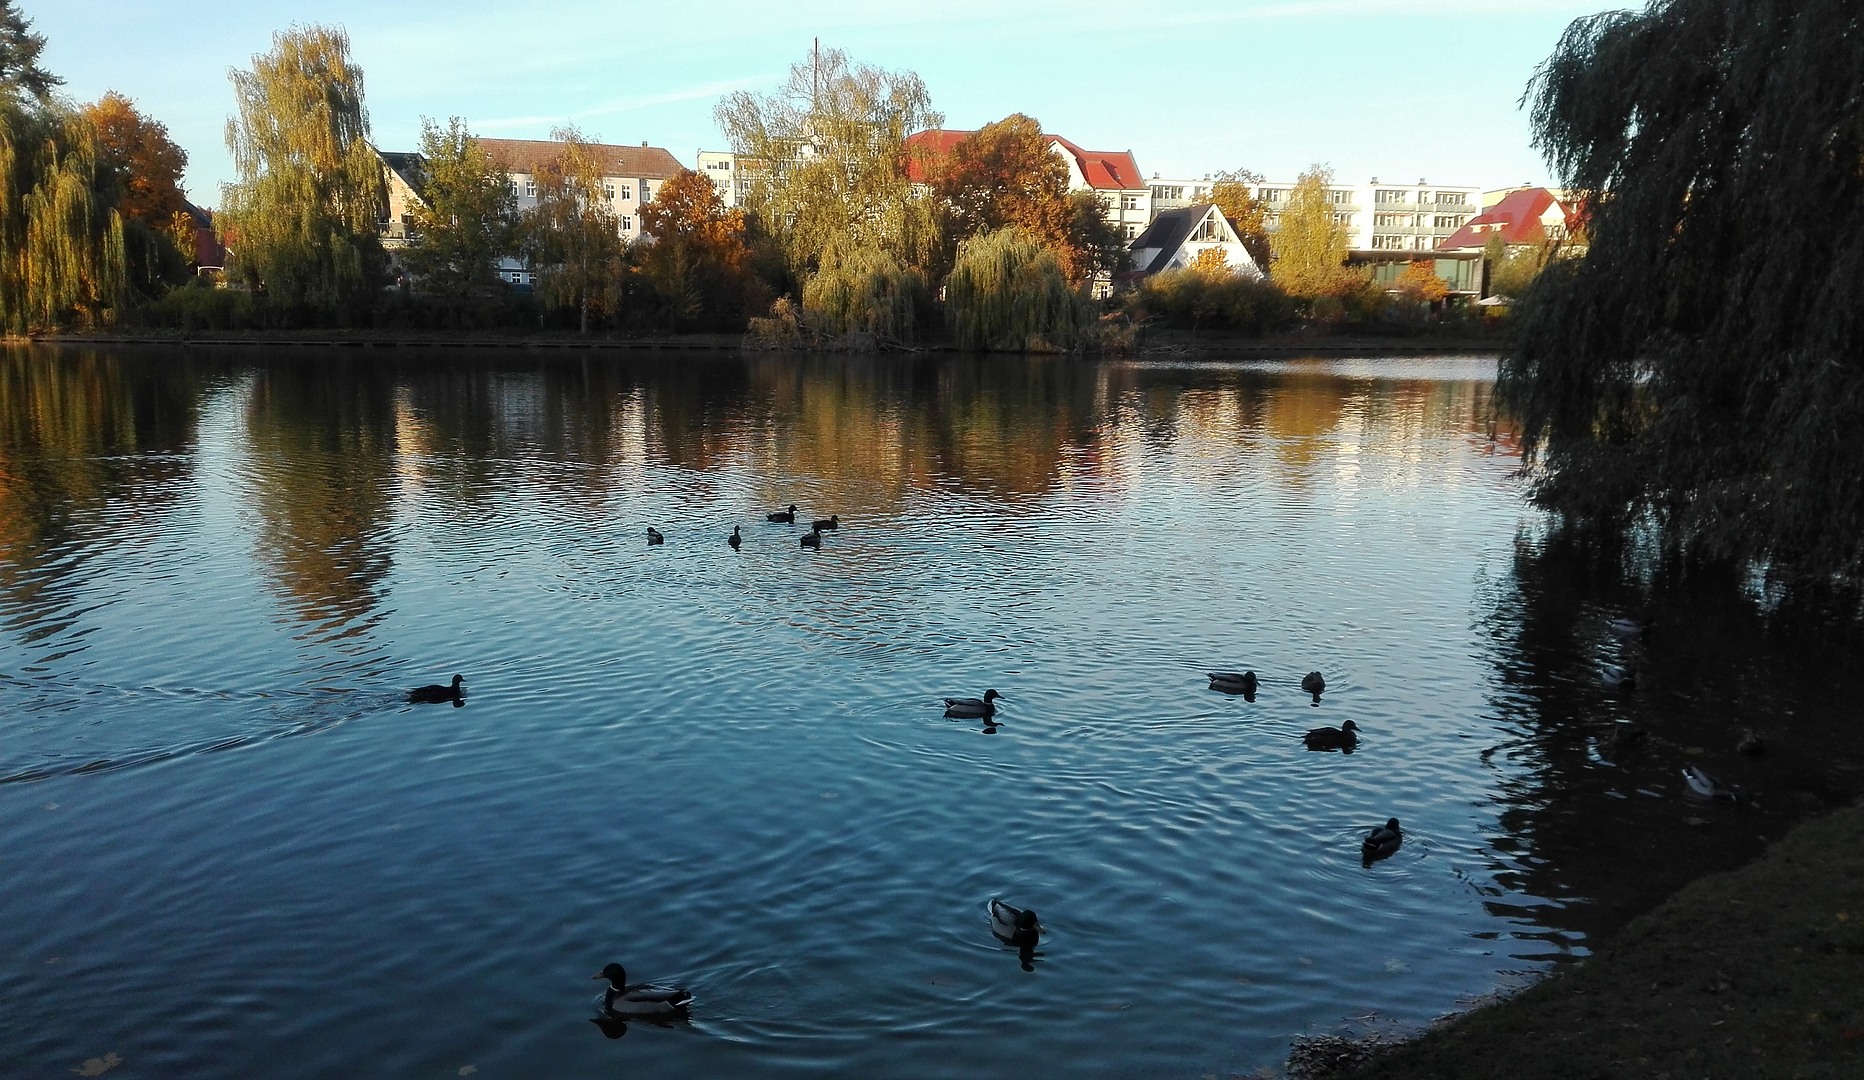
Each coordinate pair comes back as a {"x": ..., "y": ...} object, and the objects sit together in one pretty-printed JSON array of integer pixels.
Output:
[
  {"x": 301, "y": 220},
  {"x": 1701, "y": 368},
  {"x": 1008, "y": 293},
  {"x": 868, "y": 292},
  {"x": 61, "y": 238}
]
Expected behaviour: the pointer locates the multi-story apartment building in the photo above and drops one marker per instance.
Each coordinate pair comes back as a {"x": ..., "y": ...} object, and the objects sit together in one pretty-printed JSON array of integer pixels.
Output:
[
  {"x": 728, "y": 176},
  {"x": 1388, "y": 217},
  {"x": 630, "y": 177}
]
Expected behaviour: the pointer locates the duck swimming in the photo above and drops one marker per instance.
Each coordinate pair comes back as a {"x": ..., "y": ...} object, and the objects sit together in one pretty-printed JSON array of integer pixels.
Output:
[
  {"x": 1381, "y": 842},
  {"x": 640, "y": 999},
  {"x": 786, "y": 517},
  {"x": 1235, "y": 682},
  {"x": 970, "y": 708},
  {"x": 1617, "y": 677},
  {"x": 734, "y": 539},
  {"x": 833, "y": 521},
  {"x": 435, "y": 693},
  {"x": 1703, "y": 786},
  {"x": 1629, "y": 628},
  {"x": 1344, "y": 737},
  {"x": 1013, "y": 925},
  {"x": 812, "y": 538},
  {"x": 1313, "y": 684},
  {"x": 654, "y": 537}
]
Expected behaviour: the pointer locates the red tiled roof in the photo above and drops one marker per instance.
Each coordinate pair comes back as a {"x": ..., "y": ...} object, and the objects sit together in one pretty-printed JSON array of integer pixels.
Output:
[
  {"x": 526, "y": 155},
  {"x": 1517, "y": 217},
  {"x": 1104, "y": 170}
]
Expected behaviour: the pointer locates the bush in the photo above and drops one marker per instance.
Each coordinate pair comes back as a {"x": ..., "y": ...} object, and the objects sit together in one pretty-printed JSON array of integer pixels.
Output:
[
  {"x": 202, "y": 306},
  {"x": 1192, "y": 299}
]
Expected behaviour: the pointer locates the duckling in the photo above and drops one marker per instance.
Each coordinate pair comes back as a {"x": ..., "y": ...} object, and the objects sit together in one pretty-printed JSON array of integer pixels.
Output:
[
  {"x": 435, "y": 693},
  {"x": 1703, "y": 786},
  {"x": 812, "y": 538},
  {"x": 734, "y": 539},
  {"x": 1344, "y": 737},
  {"x": 1314, "y": 684},
  {"x": 654, "y": 536},
  {"x": 1617, "y": 677},
  {"x": 1235, "y": 682},
  {"x": 1013, "y": 925},
  {"x": 1750, "y": 744},
  {"x": 970, "y": 708},
  {"x": 786, "y": 517},
  {"x": 1381, "y": 842},
  {"x": 640, "y": 999},
  {"x": 833, "y": 521}
]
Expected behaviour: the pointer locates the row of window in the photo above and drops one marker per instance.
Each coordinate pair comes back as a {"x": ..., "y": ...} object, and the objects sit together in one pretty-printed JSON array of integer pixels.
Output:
[
  {"x": 622, "y": 193},
  {"x": 1416, "y": 221},
  {"x": 1382, "y": 242}
]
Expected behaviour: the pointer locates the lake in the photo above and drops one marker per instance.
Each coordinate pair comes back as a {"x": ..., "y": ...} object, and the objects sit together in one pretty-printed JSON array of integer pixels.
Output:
[{"x": 231, "y": 848}]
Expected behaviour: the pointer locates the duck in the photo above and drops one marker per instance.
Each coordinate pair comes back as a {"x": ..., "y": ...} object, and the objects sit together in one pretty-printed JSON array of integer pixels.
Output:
[
  {"x": 1630, "y": 628},
  {"x": 1234, "y": 682},
  {"x": 734, "y": 539},
  {"x": 970, "y": 708},
  {"x": 786, "y": 517},
  {"x": 833, "y": 521},
  {"x": 812, "y": 538},
  {"x": 1617, "y": 677},
  {"x": 1314, "y": 684},
  {"x": 436, "y": 693},
  {"x": 640, "y": 999},
  {"x": 1013, "y": 925},
  {"x": 1703, "y": 786},
  {"x": 1750, "y": 744},
  {"x": 1381, "y": 841},
  {"x": 654, "y": 536},
  {"x": 1344, "y": 737}
]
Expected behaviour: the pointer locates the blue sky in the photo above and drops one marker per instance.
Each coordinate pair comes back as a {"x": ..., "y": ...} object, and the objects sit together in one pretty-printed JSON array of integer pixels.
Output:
[{"x": 1389, "y": 88}]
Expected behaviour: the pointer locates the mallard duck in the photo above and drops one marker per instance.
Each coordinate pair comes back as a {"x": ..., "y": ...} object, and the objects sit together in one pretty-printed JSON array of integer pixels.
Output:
[
  {"x": 734, "y": 539},
  {"x": 1234, "y": 682},
  {"x": 435, "y": 693},
  {"x": 1013, "y": 925},
  {"x": 1630, "y": 628},
  {"x": 1344, "y": 737},
  {"x": 654, "y": 537},
  {"x": 970, "y": 708},
  {"x": 787, "y": 517},
  {"x": 1381, "y": 841},
  {"x": 1750, "y": 744},
  {"x": 640, "y": 999},
  {"x": 1703, "y": 786},
  {"x": 1617, "y": 677},
  {"x": 833, "y": 521},
  {"x": 812, "y": 538},
  {"x": 1313, "y": 684}
]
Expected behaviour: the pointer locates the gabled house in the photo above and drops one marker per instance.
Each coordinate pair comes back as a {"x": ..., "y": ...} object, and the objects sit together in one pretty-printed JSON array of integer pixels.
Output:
[
  {"x": 1523, "y": 217},
  {"x": 1176, "y": 238},
  {"x": 1125, "y": 197},
  {"x": 404, "y": 175}
]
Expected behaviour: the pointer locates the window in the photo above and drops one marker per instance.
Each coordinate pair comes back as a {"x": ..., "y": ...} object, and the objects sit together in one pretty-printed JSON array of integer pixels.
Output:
[
  {"x": 1207, "y": 231},
  {"x": 609, "y": 190},
  {"x": 511, "y": 186},
  {"x": 1339, "y": 196},
  {"x": 645, "y": 196},
  {"x": 626, "y": 193},
  {"x": 1389, "y": 198},
  {"x": 1168, "y": 191},
  {"x": 1342, "y": 219},
  {"x": 627, "y": 224},
  {"x": 530, "y": 187},
  {"x": 1273, "y": 194},
  {"x": 1388, "y": 220},
  {"x": 1388, "y": 243},
  {"x": 1131, "y": 231},
  {"x": 1447, "y": 221},
  {"x": 1452, "y": 198},
  {"x": 1129, "y": 202}
]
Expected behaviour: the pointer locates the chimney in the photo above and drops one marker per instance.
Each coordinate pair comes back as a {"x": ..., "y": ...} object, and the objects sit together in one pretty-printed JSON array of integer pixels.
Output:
[{"x": 643, "y": 144}]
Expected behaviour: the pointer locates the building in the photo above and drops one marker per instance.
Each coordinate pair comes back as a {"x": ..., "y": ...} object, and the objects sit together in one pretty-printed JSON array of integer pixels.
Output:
[
  {"x": 1177, "y": 237},
  {"x": 729, "y": 178},
  {"x": 1112, "y": 175},
  {"x": 1521, "y": 217},
  {"x": 404, "y": 176},
  {"x": 1387, "y": 217},
  {"x": 630, "y": 177}
]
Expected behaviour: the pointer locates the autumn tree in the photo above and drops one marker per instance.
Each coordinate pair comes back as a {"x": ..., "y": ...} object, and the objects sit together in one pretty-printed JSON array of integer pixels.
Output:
[
  {"x": 1419, "y": 283},
  {"x": 1309, "y": 246},
  {"x": 1696, "y": 372},
  {"x": 467, "y": 214},
  {"x": 21, "y": 77},
  {"x": 694, "y": 253},
  {"x": 1234, "y": 192},
  {"x": 145, "y": 165},
  {"x": 572, "y": 236},
  {"x": 827, "y": 157},
  {"x": 301, "y": 218}
]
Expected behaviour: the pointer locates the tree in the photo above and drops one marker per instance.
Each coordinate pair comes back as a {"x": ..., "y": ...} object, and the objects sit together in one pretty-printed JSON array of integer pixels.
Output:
[
  {"x": 1008, "y": 293},
  {"x": 301, "y": 218},
  {"x": 1235, "y": 195},
  {"x": 1309, "y": 247},
  {"x": 20, "y": 74},
  {"x": 1419, "y": 283},
  {"x": 147, "y": 163},
  {"x": 827, "y": 157},
  {"x": 573, "y": 235},
  {"x": 467, "y": 215},
  {"x": 1697, "y": 369},
  {"x": 62, "y": 257},
  {"x": 695, "y": 253},
  {"x": 867, "y": 292},
  {"x": 1005, "y": 174}
]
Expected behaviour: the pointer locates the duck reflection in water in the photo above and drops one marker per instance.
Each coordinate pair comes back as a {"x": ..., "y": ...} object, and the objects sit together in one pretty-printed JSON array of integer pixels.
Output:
[{"x": 1016, "y": 927}]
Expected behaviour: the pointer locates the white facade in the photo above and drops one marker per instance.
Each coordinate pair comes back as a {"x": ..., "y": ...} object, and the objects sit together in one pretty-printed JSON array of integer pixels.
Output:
[
  {"x": 631, "y": 176},
  {"x": 1388, "y": 217},
  {"x": 728, "y": 179}
]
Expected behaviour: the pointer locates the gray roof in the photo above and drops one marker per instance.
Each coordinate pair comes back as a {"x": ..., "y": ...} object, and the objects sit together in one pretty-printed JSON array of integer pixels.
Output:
[
  {"x": 410, "y": 167},
  {"x": 1168, "y": 232}
]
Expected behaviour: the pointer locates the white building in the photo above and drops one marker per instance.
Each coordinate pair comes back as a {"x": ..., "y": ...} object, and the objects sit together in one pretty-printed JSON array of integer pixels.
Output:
[
  {"x": 630, "y": 177},
  {"x": 1177, "y": 237},
  {"x": 1388, "y": 217}
]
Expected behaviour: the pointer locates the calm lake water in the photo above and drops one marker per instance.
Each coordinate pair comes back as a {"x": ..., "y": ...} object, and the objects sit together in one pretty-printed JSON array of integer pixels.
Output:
[{"x": 229, "y": 848}]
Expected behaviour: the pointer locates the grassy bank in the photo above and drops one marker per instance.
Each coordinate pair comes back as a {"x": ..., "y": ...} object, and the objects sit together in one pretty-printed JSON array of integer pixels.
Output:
[{"x": 1757, "y": 972}]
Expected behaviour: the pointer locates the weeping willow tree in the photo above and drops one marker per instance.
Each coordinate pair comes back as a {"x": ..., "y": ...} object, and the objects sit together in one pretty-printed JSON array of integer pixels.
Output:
[
  {"x": 1008, "y": 293},
  {"x": 62, "y": 258},
  {"x": 867, "y": 292},
  {"x": 573, "y": 235},
  {"x": 1700, "y": 371},
  {"x": 300, "y": 222},
  {"x": 828, "y": 161}
]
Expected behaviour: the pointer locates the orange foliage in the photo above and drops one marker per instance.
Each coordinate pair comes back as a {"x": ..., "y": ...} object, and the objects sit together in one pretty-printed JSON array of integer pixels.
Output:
[
  {"x": 1420, "y": 282},
  {"x": 145, "y": 160}
]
